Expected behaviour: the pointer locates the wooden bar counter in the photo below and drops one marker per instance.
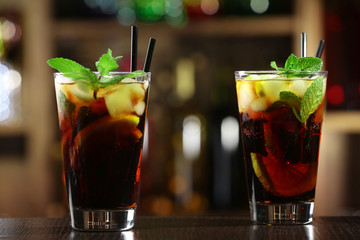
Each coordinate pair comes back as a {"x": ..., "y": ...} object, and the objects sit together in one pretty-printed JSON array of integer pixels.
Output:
[{"x": 189, "y": 227}]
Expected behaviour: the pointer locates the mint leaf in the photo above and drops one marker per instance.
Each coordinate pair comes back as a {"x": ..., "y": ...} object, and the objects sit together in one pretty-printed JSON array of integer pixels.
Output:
[
  {"x": 312, "y": 99},
  {"x": 293, "y": 101},
  {"x": 87, "y": 79},
  {"x": 72, "y": 69},
  {"x": 290, "y": 97},
  {"x": 273, "y": 65},
  {"x": 291, "y": 63},
  {"x": 309, "y": 64},
  {"x": 294, "y": 65},
  {"x": 107, "y": 63},
  {"x": 66, "y": 107}
]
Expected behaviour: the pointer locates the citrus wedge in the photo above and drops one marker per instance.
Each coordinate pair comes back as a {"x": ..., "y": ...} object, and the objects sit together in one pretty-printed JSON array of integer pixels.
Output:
[{"x": 282, "y": 178}]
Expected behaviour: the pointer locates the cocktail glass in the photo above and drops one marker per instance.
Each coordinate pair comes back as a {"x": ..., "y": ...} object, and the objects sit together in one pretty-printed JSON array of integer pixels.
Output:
[
  {"x": 102, "y": 134},
  {"x": 281, "y": 145}
]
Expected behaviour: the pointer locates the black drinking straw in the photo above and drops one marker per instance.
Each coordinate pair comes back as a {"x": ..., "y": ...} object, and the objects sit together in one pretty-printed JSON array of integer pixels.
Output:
[
  {"x": 320, "y": 49},
  {"x": 303, "y": 44},
  {"x": 149, "y": 54},
  {"x": 134, "y": 41}
]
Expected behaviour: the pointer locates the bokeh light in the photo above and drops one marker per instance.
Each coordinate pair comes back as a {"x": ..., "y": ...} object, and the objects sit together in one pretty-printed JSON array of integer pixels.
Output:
[
  {"x": 334, "y": 23},
  {"x": 8, "y": 30},
  {"x": 150, "y": 10},
  {"x": 191, "y": 137},
  {"x": 128, "y": 12},
  {"x": 126, "y": 16},
  {"x": 10, "y": 83},
  {"x": 259, "y": 6},
  {"x": 210, "y": 7},
  {"x": 335, "y": 95},
  {"x": 230, "y": 133}
]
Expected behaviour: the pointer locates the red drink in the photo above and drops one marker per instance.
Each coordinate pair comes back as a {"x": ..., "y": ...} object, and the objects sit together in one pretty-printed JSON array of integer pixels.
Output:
[
  {"x": 281, "y": 155},
  {"x": 281, "y": 131},
  {"x": 102, "y": 138}
]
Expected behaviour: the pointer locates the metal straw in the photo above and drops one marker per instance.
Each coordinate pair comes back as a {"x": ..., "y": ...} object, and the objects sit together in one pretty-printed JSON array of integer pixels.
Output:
[{"x": 303, "y": 44}]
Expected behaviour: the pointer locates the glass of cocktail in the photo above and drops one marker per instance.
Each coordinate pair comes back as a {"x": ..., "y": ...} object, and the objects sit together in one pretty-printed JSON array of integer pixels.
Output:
[
  {"x": 102, "y": 136},
  {"x": 281, "y": 115},
  {"x": 102, "y": 118}
]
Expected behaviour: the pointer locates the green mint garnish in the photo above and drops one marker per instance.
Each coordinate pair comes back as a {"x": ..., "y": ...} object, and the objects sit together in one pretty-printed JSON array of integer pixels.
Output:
[
  {"x": 293, "y": 101},
  {"x": 308, "y": 104},
  {"x": 72, "y": 69},
  {"x": 107, "y": 63},
  {"x": 67, "y": 107},
  {"x": 295, "y": 67},
  {"x": 312, "y": 99},
  {"x": 294, "y": 64},
  {"x": 88, "y": 78}
]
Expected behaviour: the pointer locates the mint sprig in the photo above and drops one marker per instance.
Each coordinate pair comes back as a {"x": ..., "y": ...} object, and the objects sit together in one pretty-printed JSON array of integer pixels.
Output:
[
  {"x": 72, "y": 69},
  {"x": 107, "y": 63},
  {"x": 88, "y": 78},
  {"x": 308, "y": 104},
  {"x": 293, "y": 101},
  {"x": 312, "y": 99},
  {"x": 295, "y": 65},
  {"x": 298, "y": 67}
]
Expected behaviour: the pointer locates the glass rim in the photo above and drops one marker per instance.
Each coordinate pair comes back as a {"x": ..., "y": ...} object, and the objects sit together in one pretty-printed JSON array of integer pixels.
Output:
[
  {"x": 241, "y": 75},
  {"x": 110, "y": 73},
  {"x": 260, "y": 72},
  {"x": 140, "y": 77}
]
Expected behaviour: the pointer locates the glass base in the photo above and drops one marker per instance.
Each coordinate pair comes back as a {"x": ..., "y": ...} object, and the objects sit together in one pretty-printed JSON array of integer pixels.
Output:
[
  {"x": 102, "y": 220},
  {"x": 297, "y": 213}
]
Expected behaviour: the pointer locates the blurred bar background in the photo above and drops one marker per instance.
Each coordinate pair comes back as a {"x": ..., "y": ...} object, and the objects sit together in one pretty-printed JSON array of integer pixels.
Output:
[{"x": 192, "y": 161}]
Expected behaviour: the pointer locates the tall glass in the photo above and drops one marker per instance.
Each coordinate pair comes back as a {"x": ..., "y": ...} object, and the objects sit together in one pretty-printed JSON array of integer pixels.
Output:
[
  {"x": 102, "y": 134},
  {"x": 280, "y": 148}
]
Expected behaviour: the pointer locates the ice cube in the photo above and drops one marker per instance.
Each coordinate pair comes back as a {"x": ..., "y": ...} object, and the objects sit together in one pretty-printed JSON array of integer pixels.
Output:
[
  {"x": 139, "y": 108},
  {"x": 122, "y": 99},
  {"x": 272, "y": 89},
  {"x": 61, "y": 79},
  {"x": 245, "y": 94},
  {"x": 137, "y": 91},
  {"x": 299, "y": 87},
  {"x": 118, "y": 102},
  {"x": 258, "y": 105},
  {"x": 128, "y": 80},
  {"x": 82, "y": 91}
]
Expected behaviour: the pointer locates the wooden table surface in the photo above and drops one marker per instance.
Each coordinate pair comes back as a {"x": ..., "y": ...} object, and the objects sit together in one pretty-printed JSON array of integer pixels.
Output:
[{"x": 202, "y": 227}]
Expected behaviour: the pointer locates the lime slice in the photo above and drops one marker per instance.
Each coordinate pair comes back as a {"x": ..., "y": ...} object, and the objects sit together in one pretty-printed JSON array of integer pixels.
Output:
[{"x": 282, "y": 178}]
